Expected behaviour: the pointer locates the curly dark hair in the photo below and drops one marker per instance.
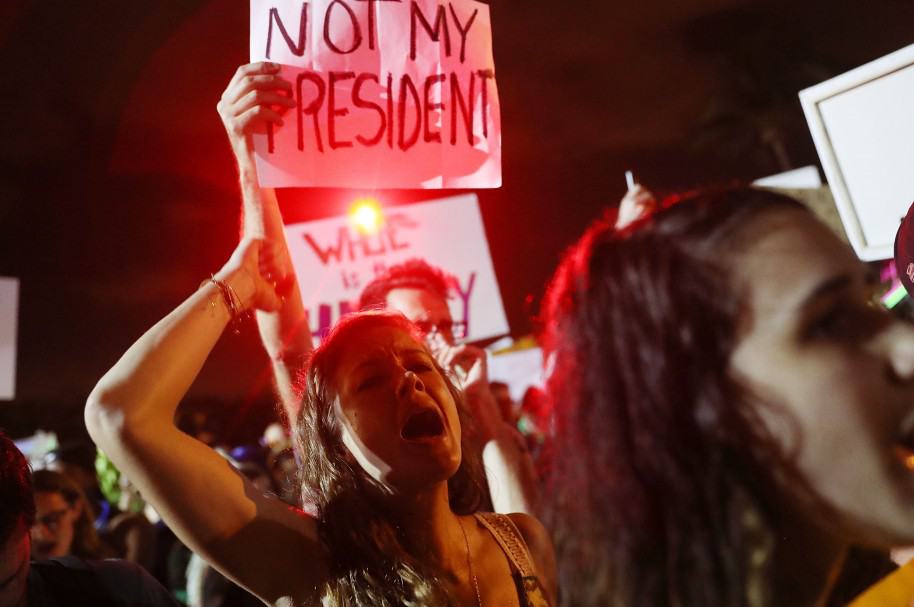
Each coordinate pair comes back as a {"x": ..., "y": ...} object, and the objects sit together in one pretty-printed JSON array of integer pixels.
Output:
[
  {"x": 372, "y": 566},
  {"x": 17, "y": 502},
  {"x": 661, "y": 471},
  {"x": 411, "y": 274}
]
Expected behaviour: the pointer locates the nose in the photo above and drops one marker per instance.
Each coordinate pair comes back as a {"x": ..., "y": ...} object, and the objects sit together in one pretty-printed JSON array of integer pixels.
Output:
[
  {"x": 900, "y": 351},
  {"x": 40, "y": 532},
  {"x": 409, "y": 384}
]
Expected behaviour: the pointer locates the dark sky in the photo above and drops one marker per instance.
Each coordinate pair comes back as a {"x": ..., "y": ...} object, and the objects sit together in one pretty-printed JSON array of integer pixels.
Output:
[{"x": 117, "y": 189}]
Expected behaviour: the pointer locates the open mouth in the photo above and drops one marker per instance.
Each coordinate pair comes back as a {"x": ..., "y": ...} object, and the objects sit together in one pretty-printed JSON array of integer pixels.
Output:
[
  {"x": 904, "y": 444},
  {"x": 421, "y": 425}
]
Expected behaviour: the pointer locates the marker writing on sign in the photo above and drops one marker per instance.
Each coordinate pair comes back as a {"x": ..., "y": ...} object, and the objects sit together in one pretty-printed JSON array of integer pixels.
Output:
[
  {"x": 397, "y": 110},
  {"x": 445, "y": 109},
  {"x": 440, "y": 28},
  {"x": 350, "y": 245}
]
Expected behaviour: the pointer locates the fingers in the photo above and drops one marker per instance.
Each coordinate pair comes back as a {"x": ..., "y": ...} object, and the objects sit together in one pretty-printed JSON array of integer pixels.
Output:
[
  {"x": 638, "y": 195},
  {"x": 253, "y": 69},
  {"x": 259, "y": 83},
  {"x": 269, "y": 300},
  {"x": 255, "y": 120},
  {"x": 263, "y": 98},
  {"x": 459, "y": 358},
  {"x": 256, "y": 96},
  {"x": 466, "y": 356},
  {"x": 275, "y": 270},
  {"x": 636, "y": 203}
]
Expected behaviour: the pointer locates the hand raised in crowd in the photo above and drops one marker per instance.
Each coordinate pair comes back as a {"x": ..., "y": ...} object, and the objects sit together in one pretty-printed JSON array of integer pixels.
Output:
[
  {"x": 467, "y": 363},
  {"x": 636, "y": 203},
  {"x": 252, "y": 274},
  {"x": 469, "y": 366},
  {"x": 255, "y": 97}
]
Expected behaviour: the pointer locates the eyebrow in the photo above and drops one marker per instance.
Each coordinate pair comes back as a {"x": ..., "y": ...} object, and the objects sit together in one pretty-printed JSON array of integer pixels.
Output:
[
  {"x": 829, "y": 287},
  {"x": 378, "y": 358}
]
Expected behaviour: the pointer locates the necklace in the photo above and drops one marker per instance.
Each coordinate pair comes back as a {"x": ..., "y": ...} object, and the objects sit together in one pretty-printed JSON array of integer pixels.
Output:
[{"x": 466, "y": 543}]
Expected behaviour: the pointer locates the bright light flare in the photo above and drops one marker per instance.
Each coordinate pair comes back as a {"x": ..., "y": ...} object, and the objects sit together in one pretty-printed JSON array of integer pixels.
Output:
[{"x": 365, "y": 214}]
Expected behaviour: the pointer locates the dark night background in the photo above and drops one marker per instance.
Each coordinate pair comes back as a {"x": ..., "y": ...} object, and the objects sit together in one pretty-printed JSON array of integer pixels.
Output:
[{"x": 118, "y": 192}]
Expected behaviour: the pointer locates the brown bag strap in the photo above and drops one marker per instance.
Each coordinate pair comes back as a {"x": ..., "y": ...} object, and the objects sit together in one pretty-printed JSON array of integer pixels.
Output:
[{"x": 511, "y": 541}]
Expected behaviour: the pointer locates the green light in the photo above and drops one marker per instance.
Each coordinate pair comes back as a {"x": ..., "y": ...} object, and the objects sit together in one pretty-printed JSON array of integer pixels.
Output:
[{"x": 894, "y": 297}]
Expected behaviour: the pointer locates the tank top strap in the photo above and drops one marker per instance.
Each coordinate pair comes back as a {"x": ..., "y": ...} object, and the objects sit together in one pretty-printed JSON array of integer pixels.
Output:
[{"x": 511, "y": 541}]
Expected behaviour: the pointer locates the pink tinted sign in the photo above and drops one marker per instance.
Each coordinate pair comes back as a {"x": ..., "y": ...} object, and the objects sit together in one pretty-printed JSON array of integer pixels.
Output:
[{"x": 390, "y": 94}]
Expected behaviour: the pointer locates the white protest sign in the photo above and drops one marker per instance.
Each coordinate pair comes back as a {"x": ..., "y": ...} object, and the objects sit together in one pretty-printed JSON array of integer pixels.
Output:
[
  {"x": 863, "y": 128},
  {"x": 9, "y": 320},
  {"x": 334, "y": 260},
  {"x": 520, "y": 369},
  {"x": 390, "y": 94}
]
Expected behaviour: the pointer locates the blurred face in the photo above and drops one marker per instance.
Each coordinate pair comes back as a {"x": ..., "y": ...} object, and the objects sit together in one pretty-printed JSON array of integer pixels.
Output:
[
  {"x": 833, "y": 374},
  {"x": 52, "y": 533},
  {"x": 398, "y": 417},
  {"x": 14, "y": 567},
  {"x": 427, "y": 310}
]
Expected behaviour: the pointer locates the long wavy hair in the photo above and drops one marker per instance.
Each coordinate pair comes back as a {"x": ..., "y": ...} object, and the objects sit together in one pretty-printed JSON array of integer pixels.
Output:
[
  {"x": 661, "y": 471},
  {"x": 86, "y": 542},
  {"x": 371, "y": 563}
]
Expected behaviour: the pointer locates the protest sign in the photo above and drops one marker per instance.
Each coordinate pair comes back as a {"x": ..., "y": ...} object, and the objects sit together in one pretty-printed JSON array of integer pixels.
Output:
[
  {"x": 390, "y": 94},
  {"x": 863, "y": 128},
  {"x": 334, "y": 260},
  {"x": 519, "y": 369},
  {"x": 9, "y": 320}
]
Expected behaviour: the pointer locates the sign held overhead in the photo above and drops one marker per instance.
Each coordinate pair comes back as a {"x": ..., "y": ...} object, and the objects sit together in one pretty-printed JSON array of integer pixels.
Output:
[{"x": 389, "y": 94}]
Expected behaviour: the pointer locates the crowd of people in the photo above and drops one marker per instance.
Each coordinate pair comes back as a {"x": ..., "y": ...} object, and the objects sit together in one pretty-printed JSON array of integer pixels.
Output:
[{"x": 728, "y": 420}]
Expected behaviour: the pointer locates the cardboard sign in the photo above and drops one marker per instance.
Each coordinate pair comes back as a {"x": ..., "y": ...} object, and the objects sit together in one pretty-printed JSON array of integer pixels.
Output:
[
  {"x": 863, "y": 129},
  {"x": 9, "y": 320},
  {"x": 390, "y": 94},
  {"x": 334, "y": 261}
]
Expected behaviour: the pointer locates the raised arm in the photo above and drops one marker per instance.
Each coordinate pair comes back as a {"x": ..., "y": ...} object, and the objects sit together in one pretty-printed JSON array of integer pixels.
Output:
[
  {"x": 211, "y": 507},
  {"x": 255, "y": 98},
  {"x": 509, "y": 469}
]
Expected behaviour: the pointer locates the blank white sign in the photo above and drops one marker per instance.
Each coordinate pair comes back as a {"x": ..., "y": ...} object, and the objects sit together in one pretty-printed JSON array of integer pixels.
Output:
[
  {"x": 863, "y": 126},
  {"x": 9, "y": 314}
]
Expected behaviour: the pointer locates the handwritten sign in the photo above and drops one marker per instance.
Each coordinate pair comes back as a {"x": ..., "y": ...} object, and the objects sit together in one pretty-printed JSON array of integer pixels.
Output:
[
  {"x": 863, "y": 128},
  {"x": 390, "y": 94},
  {"x": 334, "y": 260},
  {"x": 9, "y": 315}
]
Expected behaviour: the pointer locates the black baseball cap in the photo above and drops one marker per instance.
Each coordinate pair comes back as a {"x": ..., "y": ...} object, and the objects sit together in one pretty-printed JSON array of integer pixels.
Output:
[{"x": 904, "y": 251}]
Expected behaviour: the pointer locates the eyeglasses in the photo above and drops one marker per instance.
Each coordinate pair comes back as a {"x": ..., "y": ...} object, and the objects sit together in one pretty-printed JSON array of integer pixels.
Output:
[{"x": 448, "y": 329}]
